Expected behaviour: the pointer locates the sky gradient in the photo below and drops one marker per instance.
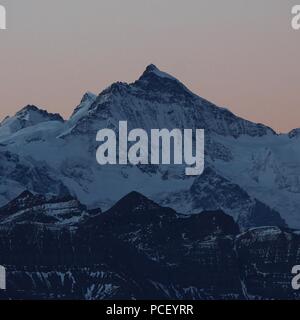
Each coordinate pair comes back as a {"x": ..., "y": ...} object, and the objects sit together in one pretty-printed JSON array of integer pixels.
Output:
[{"x": 240, "y": 54}]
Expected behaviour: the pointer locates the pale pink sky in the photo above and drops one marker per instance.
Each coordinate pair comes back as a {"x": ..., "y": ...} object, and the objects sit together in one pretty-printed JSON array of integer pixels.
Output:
[{"x": 240, "y": 54}]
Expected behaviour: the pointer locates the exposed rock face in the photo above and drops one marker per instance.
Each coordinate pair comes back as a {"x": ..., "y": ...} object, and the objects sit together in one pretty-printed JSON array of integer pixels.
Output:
[
  {"x": 27, "y": 117},
  {"x": 266, "y": 256},
  {"x": 247, "y": 211},
  {"x": 141, "y": 250},
  {"x": 37, "y": 208},
  {"x": 222, "y": 235},
  {"x": 43, "y": 153}
]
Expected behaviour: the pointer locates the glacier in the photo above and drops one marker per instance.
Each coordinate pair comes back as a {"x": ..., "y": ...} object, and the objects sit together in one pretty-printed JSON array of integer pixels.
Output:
[{"x": 248, "y": 163}]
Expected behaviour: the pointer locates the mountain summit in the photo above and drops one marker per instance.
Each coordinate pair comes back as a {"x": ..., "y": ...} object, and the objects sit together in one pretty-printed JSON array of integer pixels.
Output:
[
  {"x": 161, "y": 82},
  {"x": 249, "y": 163},
  {"x": 28, "y": 116},
  {"x": 151, "y": 69}
]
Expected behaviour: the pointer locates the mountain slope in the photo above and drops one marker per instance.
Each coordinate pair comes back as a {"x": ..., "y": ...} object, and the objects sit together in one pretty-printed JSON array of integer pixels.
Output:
[
  {"x": 140, "y": 250},
  {"x": 37, "y": 208},
  {"x": 26, "y": 117},
  {"x": 246, "y": 210},
  {"x": 251, "y": 156}
]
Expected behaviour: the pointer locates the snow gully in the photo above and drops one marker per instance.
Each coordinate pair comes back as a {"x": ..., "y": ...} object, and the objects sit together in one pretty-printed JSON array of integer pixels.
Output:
[{"x": 163, "y": 141}]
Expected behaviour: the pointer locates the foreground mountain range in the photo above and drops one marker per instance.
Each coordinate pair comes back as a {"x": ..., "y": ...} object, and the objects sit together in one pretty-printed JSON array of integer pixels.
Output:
[
  {"x": 139, "y": 250},
  {"x": 252, "y": 173}
]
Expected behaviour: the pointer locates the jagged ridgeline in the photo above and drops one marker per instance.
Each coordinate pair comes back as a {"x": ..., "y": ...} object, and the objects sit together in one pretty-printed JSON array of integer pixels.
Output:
[
  {"x": 177, "y": 236},
  {"x": 251, "y": 173},
  {"x": 139, "y": 250}
]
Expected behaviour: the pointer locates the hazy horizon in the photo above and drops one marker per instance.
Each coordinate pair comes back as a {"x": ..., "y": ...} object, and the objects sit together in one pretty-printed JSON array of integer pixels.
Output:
[{"x": 240, "y": 55}]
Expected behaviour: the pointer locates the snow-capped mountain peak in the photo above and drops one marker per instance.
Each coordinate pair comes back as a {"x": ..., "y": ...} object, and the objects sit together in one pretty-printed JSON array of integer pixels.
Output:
[
  {"x": 155, "y": 80},
  {"x": 60, "y": 155},
  {"x": 33, "y": 114},
  {"x": 153, "y": 70},
  {"x": 28, "y": 116},
  {"x": 87, "y": 100}
]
